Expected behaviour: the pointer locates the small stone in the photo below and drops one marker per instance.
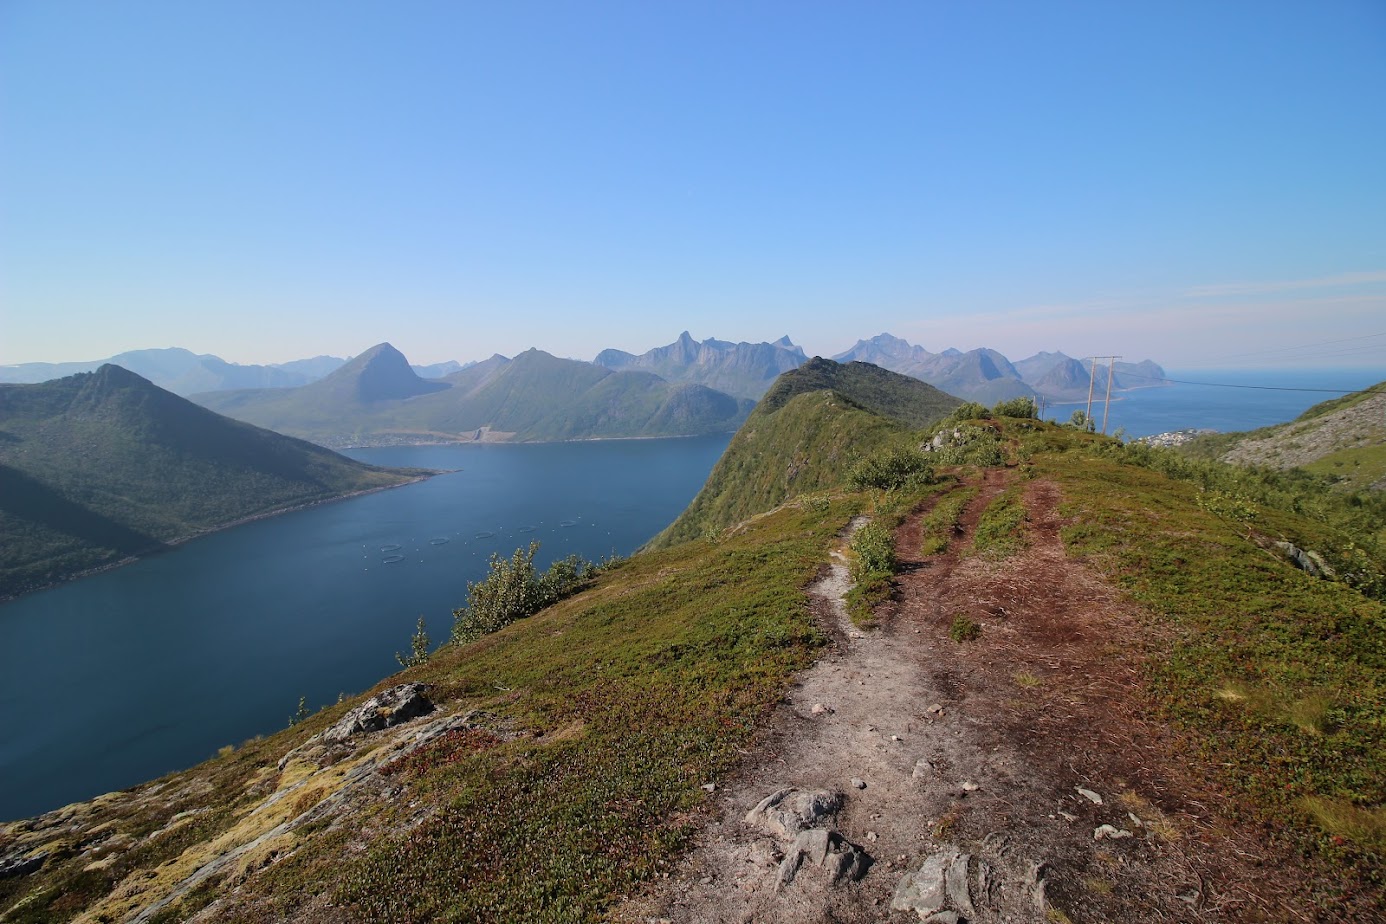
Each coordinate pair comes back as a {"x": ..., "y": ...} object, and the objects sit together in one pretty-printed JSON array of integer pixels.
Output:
[
  {"x": 894, "y": 737},
  {"x": 709, "y": 787},
  {"x": 820, "y": 709},
  {"x": 936, "y": 709},
  {"x": 1110, "y": 833},
  {"x": 1134, "y": 820},
  {"x": 1088, "y": 794},
  {"x": 969, "y": 786},
  {"x": 858, "y": 783},
  {"x": 923, "y": 769},
  {"x": 1066, "y": 816},
  {"x": 871, "y": 836}
]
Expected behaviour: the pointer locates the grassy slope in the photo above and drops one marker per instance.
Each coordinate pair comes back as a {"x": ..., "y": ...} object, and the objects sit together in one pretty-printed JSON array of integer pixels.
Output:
[
  {"x": 1353, "y": 468},
  {"x": 1277, "y": 678},
  {"x": 645, "y": 686},
  {"x": 100, "y": 466},
  {"x": 803, "y": 436}
]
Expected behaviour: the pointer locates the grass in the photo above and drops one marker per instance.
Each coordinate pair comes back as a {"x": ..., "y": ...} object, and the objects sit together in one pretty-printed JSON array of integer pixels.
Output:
[
  {"x": 964, "y": 629},
  {"x": 873, "y": 563},
  {"x": 1000, "y": 530},
  {"x": 805, "y": 446},
  {"x": 941, "y": 523},
  {"x": 1355, "y": 469},
  {"x": 611, "y": 709},
  {"x": 626, "y": 699},
  {"x": 1278, "y": 678}
]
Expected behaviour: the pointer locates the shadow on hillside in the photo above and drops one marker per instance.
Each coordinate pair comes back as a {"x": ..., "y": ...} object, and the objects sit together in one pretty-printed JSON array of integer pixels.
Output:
[{"x": 27, "y": 499}]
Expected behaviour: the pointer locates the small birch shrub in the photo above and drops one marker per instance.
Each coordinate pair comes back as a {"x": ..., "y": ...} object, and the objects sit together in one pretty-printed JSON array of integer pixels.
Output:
[{"x": 514, "y": 589}]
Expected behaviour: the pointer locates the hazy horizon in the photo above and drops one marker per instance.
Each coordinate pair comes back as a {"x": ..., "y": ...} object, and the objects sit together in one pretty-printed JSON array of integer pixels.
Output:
[{"x": 1198, "y": 185}]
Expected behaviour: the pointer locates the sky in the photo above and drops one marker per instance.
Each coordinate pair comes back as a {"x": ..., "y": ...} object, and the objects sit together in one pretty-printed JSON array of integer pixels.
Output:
[{"x": 1203, "y": 184}]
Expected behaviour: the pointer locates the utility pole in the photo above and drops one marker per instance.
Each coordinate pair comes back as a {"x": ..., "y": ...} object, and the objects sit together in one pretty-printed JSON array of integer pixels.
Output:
[
  {"x": 1087, "y": 414},
  {"x": 1111, "y": 369},
  {"x": 1107, "y": 401}
]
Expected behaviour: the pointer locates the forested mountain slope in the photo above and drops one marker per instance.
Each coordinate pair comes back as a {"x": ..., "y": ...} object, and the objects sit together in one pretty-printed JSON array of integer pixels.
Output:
[{"x": 102, "y": 466}]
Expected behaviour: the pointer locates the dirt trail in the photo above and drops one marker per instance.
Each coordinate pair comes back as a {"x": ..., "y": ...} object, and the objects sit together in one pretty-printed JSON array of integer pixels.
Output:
[{"x": 959, "y": 765}]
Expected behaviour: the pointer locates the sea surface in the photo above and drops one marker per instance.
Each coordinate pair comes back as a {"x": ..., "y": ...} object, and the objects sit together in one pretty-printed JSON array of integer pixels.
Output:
[
  {"x": 124, "y": 676},
  {"x": 1226, "y": 401}
]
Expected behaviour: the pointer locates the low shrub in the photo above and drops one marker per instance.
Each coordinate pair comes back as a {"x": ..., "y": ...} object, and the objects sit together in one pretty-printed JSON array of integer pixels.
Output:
[
  {"x": 514, "y": 589},
  {"x": 891, "y": 469}
]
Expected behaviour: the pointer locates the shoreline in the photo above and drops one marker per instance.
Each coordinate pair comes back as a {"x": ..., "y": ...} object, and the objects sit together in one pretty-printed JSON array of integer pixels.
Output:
[
  {"x": 581, "y": 439},
  {"x": 181, "y": 540}
]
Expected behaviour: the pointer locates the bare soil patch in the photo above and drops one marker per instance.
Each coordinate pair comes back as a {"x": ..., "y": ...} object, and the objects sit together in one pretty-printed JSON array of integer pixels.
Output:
[{"x": 1026, "y": 752}]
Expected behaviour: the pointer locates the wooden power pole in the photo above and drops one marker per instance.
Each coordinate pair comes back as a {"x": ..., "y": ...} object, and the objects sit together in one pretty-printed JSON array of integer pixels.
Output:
[
  {"x": 1107, "y": 403},
  {"x": 1087, "y": 414}
]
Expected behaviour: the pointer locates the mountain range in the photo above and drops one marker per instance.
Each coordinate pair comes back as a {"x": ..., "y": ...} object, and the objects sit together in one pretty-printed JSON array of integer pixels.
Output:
[
  {"x": 378, "y": 399},
  {"x": 103, "y": 466},
  {"x": 986, "y": 376},
  {"x": 184, "y": 372},
  {"x": 742, "y": 370}
]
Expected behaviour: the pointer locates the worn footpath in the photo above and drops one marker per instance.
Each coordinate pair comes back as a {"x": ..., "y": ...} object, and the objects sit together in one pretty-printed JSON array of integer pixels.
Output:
[{"x": 1009, "y": 777}]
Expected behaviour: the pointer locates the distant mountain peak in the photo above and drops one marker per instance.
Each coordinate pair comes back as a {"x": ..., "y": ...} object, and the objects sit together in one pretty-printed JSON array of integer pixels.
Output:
[{"x": 381, "y": 374}]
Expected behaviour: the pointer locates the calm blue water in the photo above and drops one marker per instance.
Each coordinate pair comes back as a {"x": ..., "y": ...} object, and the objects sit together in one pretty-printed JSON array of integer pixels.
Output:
[
  {"x": 119, "y": 678},
  {"x": 1146, "y": 411}
]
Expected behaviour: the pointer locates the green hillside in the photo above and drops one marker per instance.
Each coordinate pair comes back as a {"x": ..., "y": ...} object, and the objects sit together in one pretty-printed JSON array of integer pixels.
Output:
[
  {"x": 378, "y": 399},
  {"x": 568, "y": 762},
  {"x": 804, "y": 435},
  {"x": 102, "y": 466},
  {"x": 1342, "y": 440}
]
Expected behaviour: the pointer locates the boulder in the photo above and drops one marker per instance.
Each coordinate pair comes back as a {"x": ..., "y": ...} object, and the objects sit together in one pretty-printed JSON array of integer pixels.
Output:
[
  {"x": 839, "y": 857},
  {"x": 786, "y": 812},
  {"x": 925, "y": 890},
  {"x": 21, "y": 866},
  {"x": 938, "y": 891},
  {"x": 392, "y": 707}
]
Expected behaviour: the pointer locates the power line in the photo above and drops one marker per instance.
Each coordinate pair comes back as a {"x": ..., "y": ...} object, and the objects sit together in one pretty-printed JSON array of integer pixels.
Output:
[
  {"x": 1332, "y": 391},
  {"x": 1300, "y": 346}
]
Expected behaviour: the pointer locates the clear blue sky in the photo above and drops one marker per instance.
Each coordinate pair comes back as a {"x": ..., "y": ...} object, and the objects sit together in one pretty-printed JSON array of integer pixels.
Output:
[{"x": 1200, "y": 183}]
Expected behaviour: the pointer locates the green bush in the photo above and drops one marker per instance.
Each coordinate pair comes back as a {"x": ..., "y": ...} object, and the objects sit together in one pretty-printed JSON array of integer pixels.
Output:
[
  {"x": 890, "y": 469},
  {"x": 968, "y": 410},
  {"x": 963, "y": 629},
  {"x": 969, "y": 444},
  {"x": 873, "y": 550},
  {"x": 1016, "y": 407},
  {"x": 513, "y": 590},
  {"x": 418, "y": 648}
]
